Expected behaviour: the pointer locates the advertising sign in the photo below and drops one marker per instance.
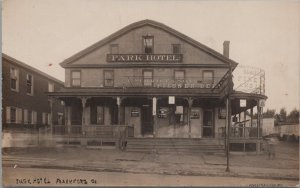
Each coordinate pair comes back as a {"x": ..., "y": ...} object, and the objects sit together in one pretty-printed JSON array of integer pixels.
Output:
[
  {"x": 249, "y": 79},
  {"x": 171, "y": 99},
  {"x": 136, "y": 58},
  {"x": 243, "y": 103},
  {"x": 154, "y": 106}
]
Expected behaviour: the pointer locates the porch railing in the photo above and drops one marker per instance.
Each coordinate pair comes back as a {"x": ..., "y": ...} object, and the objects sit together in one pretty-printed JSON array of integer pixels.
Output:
[
  {"x": 93, "y": 130},
  {"x": 118, "y": 133},
  {"x": 240, "y": 130}
]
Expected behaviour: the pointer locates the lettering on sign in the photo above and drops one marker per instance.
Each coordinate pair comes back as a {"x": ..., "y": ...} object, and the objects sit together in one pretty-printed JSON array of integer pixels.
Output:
[
  {"x": 249, "y": 79},
  {"x": 131, "y": 58},
  {"x": 168, "y": 83}
]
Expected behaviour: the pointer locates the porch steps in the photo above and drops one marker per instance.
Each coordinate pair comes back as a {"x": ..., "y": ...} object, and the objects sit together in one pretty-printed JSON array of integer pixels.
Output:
[{"x": 175, "y": 145}]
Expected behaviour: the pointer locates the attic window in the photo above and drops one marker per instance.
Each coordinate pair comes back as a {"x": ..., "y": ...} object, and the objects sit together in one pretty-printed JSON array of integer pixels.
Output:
[
  {"x": 114, "y": 48},
  {"x": 176, "y": 48},
  {"x": 148, "y": 44}
]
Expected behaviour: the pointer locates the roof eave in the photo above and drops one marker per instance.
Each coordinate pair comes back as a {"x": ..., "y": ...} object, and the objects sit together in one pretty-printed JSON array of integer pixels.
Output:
[{"x": 140, "y": 24}]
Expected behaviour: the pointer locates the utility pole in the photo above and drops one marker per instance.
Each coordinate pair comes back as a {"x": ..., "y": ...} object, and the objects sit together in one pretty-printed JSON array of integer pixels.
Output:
[{"x": 228, "y": 106}]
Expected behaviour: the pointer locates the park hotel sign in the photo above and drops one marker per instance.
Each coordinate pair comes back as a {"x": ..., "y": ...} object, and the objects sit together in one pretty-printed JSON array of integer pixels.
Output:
[{"x": 136, "y": 58}]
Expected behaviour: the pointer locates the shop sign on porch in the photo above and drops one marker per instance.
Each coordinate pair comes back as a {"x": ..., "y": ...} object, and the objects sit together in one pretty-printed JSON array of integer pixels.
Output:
[
  {"x": 195, "y": 114},
  {"x": 171, "y": 99},
  {"x": 154, "y": 106},
  {"x": 243, "y": 103},
  {"x": 163, "y": 112},
  {"x": 222, "y": 113},
  {"x": 262, "y": 103},
  {"x": 135, "y": 113}
]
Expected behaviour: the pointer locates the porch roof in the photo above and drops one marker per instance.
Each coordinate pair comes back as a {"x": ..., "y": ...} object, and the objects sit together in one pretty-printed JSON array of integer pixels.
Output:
[
  {"x": 251, "y": 98},
  {"x": 108, "y": 92}
]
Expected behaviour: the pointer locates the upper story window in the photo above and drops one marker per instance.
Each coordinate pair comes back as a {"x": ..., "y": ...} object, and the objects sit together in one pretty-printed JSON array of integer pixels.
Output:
[
  {"x": 76, "y": 78},
  {"x": 29, "y": 84},
  {"x": 147, "y": 78},
  {"x": 114, "y": 48},
  {"x": 14, "y": 79},
  {"x": 50, "y": 87},
  {"x": 108, "y": 78},
  {"x": 148, "y": 44},
  {"x": 208, "y": 76},
  {"x": 176, "y": 48},
  {"x": 179, "y": 76}
]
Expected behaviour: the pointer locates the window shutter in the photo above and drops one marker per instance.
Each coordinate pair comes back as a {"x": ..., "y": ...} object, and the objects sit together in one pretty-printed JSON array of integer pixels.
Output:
[
  {"x": 7, "y": 114},
  {"x": 43, "y": 118},
  {"x": 25, "y": 116},
  {"x": 19, "y": 115},
  {"x": 49, "y": 119},
  {"x": 34, "y": 120}
]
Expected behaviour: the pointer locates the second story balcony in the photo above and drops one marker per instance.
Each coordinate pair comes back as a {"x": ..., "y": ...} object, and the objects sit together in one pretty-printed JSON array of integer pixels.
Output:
[{"x": 163, "y": 82}]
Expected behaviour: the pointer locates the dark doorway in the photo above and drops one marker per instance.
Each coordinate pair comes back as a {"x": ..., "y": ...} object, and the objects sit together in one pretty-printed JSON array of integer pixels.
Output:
[
  {"x": 147, "y": 120},
  {"x": 208, "y": 125}
]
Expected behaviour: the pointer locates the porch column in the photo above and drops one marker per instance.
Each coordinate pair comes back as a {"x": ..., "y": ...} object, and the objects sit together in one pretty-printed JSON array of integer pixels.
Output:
[
  {"x": 251, "y": 117},
  {"x": 51, "y": 114},
  {"x": 258, "y": 119},
  {"x": 244, "y": 125},
  {"x": 154, "y": 102},
  {"x": 67, "y": 117},
  {"x": 83, "y": 102},
  {"x": 119, "y": 103},
  {"x": 190, "y": 101}
]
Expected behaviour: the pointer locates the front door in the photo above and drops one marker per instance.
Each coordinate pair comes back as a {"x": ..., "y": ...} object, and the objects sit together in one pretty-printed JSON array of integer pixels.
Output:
[
  {"x": 208, "y": 125},
  {"x": 147, "y": 120}
]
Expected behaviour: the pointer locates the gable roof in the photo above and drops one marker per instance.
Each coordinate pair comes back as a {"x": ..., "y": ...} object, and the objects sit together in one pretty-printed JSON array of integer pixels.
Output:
[
  {"x": 153, "y": 24},
  {"x": 24, "y": 65}
]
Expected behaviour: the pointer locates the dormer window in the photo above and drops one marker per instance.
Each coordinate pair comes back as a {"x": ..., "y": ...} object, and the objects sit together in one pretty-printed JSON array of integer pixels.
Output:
[{"x": 148, "y": 44}]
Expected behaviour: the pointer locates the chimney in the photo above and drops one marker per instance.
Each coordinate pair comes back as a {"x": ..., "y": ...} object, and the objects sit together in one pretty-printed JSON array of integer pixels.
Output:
[{"x": 226, "y": 48}]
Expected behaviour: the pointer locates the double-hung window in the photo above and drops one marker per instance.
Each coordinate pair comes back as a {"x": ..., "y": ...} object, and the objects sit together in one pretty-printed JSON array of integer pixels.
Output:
[
  {"x": 108, "y": 78},
  {"x": 208, "y": 77},
  {"x": 148, "y": 44},
  {"x": 29, "y": 117},
  {"x": 179, "y": 76},
  {"x": 29, "y": 84},
  {"x": 76, "y": 78},
  {"x": 50, "y": 87},
  {"x": 147, "y": 78},
  {"x": 13, "y": 115},
  {"x": 14, "y": 79}
]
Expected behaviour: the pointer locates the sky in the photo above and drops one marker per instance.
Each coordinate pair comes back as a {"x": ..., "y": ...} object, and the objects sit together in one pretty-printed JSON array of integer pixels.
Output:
[{"x": 263, "y": 34}]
